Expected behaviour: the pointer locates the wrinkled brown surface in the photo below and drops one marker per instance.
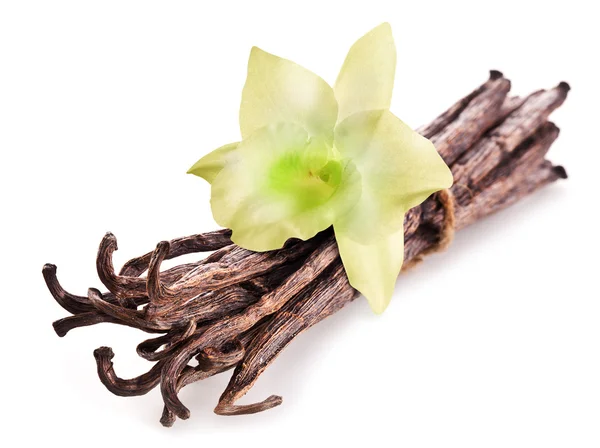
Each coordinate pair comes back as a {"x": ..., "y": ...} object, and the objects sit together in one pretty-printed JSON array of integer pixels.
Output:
[{"x": 238, "y": 309}]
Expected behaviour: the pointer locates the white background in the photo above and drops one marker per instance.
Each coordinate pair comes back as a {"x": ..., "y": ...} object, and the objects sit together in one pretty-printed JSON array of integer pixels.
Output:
[{"x": 104, "y": 106}]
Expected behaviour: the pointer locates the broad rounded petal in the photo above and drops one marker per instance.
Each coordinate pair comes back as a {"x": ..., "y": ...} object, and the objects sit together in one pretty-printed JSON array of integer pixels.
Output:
[
  {"x": 372, "y": 268},
  {"x": 212, "y": 163},
  {"x": 282, "y": 184},
  {"x": 279, "y": 90},
  {"x": 366, "y": 79},
  {"x": 399, "y": 170}
]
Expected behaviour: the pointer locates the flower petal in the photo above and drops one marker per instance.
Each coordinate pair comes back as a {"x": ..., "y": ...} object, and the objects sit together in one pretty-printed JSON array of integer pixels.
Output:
[
  {"x": 399, "y": 170},
  {"x": 278, "y": 90},
  {"x": 282, "y": 184},
  {"x": 212, "y": 163},
  {"x": 372, "y": 268},
  {"x": 366, "y": 79}
]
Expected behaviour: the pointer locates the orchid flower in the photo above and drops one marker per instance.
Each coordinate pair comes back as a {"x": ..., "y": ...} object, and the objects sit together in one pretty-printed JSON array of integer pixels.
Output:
[{"x": 312, "y": 156}]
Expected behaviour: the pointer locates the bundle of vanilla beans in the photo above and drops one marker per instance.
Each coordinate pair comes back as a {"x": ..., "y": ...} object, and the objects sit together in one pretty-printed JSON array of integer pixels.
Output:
[{"x": 238, "y": 309}]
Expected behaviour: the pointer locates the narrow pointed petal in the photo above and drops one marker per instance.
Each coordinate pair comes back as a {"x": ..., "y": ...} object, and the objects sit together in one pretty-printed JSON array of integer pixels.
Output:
[
  {"x": 212, "y": 163},
  {"x": 366, "y": 79},
  {"x": 279, "y": 90},
  {"x": 399, "y": 169},
  {"x": 372, "y": 268}
]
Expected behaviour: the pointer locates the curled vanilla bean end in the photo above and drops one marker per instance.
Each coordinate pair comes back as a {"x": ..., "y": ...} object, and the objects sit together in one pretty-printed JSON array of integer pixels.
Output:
[
  {"x": 70, "y": 302},
  {"x": 73, "y": 304},
  {"x": 66, "y": 324},
  {"x": 225, "y": 408},
  {"x": 211, "y": 361},
  {"x": 139, "y": 385},
  {"x": 121, "y": 286},
  {"x": 153, "y": 284}
]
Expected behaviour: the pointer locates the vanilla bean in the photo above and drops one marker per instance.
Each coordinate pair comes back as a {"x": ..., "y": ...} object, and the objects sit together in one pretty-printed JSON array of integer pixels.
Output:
[
  {"x": 125, "y": 388},
  {"x": 66, "y": 324},
  {"x": 204, "y": 242},
  {"x": 70, "y": 302}
]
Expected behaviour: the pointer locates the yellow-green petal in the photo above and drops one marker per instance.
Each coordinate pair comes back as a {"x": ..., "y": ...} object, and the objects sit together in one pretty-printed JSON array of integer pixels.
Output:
[
  {"x": 279, "y": 90},
  {"x": 372, "y": 268},
  {"x": 366, "y": 79},
  {"x": 212, "y": 163},
  {"x": 283, "y": 184},
  {"x": 399, "y": 169}
]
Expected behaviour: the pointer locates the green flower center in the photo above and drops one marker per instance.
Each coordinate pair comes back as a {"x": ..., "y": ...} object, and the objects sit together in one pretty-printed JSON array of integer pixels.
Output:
[{"x": 309, "y": 175}]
